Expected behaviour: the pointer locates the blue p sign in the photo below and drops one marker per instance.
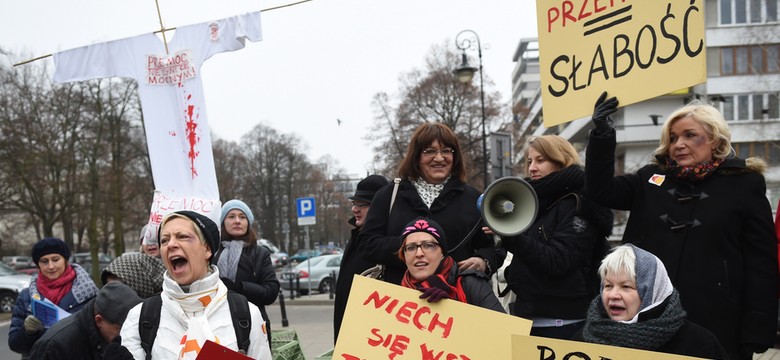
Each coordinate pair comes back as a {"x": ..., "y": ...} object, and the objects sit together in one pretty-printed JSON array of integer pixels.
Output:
[{"x": 306, "y": 207}]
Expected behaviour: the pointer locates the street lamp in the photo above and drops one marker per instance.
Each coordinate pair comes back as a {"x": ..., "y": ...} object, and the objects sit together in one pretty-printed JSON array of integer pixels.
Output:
[{"x": 465, "y": 73}]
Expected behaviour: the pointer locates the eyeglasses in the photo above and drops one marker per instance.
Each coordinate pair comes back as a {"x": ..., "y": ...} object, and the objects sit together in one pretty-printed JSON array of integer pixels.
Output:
[
  {"x": 431, "y": 152},
  {"x": 360, "y": 205},
  {"x": 426, "y": 246}
]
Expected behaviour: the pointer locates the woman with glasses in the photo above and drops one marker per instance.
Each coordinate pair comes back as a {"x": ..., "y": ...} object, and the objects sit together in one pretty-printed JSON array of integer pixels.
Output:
[
  {"x": 436, "y": 275},
  {"x": 554, "y": 262},
  {"x": 432, "y": 184}
]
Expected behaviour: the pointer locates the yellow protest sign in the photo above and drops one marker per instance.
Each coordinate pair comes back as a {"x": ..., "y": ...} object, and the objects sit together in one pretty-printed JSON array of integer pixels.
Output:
[
  {"x": 532, "y": 347},
  {"x": 386, "y": 321},
  {"x": 635, "y": 50}
]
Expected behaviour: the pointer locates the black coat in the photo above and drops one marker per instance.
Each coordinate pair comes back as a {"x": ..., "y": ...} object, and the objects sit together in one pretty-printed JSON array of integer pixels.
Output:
[
  {"x": 715, "y": 238},
  {"x": 351, "y": 263},
  {"x": 455, "y": 209},
  {"x": 74, "y": 337},
  {"x": 258, "y": 280},
  {"x": 554, "y": 264}
]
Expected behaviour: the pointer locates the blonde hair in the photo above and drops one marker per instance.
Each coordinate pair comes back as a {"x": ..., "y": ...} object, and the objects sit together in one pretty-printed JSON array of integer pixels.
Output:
[
  {"x": 195, "y": 227},
  {"x": 710, "y": 118},
  {"x": 554, "y": 148}
]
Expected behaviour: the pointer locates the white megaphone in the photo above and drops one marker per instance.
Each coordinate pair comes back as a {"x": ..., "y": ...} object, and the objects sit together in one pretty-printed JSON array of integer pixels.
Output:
[{"x": 508, "y": 206}]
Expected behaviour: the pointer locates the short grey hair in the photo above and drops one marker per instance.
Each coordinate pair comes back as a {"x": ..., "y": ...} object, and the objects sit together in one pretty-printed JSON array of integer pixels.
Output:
[{"x": 622, "y": 260}]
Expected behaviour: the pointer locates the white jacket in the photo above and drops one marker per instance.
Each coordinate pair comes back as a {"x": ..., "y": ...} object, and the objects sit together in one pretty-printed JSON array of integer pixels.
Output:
[{"x": 174, "y": 322}]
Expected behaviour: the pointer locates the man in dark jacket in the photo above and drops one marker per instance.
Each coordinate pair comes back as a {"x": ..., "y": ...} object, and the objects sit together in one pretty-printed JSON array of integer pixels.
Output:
[
  {"x": 351, "y": 262},
  {"x": 88, "y": 334}
]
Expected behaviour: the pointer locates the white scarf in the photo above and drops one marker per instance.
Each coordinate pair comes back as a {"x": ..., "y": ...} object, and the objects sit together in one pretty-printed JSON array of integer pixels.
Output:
[
  {"x": 428, "y": 192},
  {"x": 192, "y": 309}
]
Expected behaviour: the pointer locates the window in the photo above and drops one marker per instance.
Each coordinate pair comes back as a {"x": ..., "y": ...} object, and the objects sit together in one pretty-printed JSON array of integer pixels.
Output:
[
  {"x": 755, "y": 11},
  {"x": 772, "y": 58},
  {"x": 727, "y": 61},
  {"x": 740, "y": 11},
  {"x": 747, "y": 11},
  {"x": 758, "y": 106},
  {"x": 743, "y": 107},
  {"x": 769, "y": 151},
  {"x": 725, "y": 12},
  {"x": 754, "y": 59},
  {"x": 773, "y": 105},
  {"x": 752, "y": 107}
]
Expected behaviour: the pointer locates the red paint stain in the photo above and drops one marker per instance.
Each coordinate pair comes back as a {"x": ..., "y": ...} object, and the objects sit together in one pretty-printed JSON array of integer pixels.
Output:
[{"x": 192, "y": 138}]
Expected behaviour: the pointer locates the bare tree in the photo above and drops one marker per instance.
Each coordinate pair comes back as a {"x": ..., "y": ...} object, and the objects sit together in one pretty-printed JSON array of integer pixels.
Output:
[{"x": 433, "y": 94}]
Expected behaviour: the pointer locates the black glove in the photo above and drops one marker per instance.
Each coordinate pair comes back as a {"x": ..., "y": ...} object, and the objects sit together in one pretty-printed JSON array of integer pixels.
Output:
[
  {"x": 604, "y": 107},
  {"x": 115, "y": 351},
  {"x": 748, "y": 349},
  {"x": 231, "y": 285},
  {"x": 434, "y": 294}
]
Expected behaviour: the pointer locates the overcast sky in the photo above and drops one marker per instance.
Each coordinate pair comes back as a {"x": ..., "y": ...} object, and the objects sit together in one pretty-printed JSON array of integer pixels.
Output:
[{"x": 319, "y": 61}]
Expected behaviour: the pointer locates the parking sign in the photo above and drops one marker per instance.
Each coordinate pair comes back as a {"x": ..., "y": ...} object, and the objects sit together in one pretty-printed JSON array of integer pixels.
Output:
[{"x": 307, "y": 211}]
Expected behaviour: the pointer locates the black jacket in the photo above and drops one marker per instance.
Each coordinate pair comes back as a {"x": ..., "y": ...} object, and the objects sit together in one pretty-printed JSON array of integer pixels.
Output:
[
  {"x": 74, "y": 337},
  {"x": 476, "y": 287},
  {"x": 258, "y": 280},
  {"x": 455, "y": 209},
  {"x": 555, "y": 262},
  {"x": 715, "y": 238},
  {"x": 351, "y": 263}
]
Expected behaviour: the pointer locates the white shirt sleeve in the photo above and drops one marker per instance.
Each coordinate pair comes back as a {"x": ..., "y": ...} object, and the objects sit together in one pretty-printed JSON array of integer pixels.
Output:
[
  {"x": 131, "y": 339},
  {"x": 258, "y": 340}
]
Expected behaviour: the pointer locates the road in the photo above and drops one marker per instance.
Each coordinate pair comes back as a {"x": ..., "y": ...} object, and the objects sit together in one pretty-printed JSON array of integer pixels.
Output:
[{"x": 313, "y": 323}]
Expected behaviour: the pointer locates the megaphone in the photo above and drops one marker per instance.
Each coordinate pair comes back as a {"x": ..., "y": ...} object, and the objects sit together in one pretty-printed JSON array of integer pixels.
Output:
[{"x": 508, "y": 206}]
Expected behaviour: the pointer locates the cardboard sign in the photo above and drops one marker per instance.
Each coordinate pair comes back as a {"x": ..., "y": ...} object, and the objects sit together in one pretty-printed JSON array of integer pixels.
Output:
[
  {"x": 635, "y": 50},
  {"x": 386, "y": 321},
  {"x": 532, "y": 347}
]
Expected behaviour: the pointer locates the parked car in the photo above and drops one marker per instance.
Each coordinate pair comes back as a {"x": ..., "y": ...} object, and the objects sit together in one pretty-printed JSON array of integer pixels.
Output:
[
  {"x": 278, "y": 258},
  {"x": 85, "y": 260},
  {"x": 321, "y": 274},
  {"x": 18, "y": 262},
  {"x": 304, "y": 254},
  {"x": 11, "y": 283}
]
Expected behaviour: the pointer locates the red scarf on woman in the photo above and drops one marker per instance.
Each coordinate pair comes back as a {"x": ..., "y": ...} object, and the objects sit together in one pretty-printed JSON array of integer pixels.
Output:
[
  {"x": 55, "y": 290},
  {"x": 439, "y": 280}
]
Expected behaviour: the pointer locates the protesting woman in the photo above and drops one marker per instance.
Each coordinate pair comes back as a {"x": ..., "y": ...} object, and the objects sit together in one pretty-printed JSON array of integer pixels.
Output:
[
  {"x": 436, "y": 275},
  {"x": 432, "y": 184},
  {"x": 194, "y": 305},
  {"x": 68, "y": 286}
]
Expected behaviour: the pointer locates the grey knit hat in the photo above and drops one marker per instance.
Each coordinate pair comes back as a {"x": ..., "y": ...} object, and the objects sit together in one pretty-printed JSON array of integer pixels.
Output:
[{"x": 143, "y": 273}]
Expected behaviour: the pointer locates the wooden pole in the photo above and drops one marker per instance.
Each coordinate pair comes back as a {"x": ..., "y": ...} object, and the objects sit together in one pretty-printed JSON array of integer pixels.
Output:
[{"x": 163, "y": 29}]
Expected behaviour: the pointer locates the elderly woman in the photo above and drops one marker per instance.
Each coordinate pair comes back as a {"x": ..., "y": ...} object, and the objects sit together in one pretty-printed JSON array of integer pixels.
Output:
[
  {"x": 244, "y": 266},
  {"x": 432, "y": 176},
  {"x": 194, "y": 301},
  {"x": 638, "y": 308},
  {"x": 703, "y": 212},
  {"x": 430, "y": 270},
  {"x": 68, "y": 286}
]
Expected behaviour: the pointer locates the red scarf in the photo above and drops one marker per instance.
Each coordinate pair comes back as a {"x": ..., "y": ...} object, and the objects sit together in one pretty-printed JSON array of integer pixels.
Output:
[
  {"x": 693, "y": 173},
  {"x": 439, "y": 280},
  {"x": 55, "y": 290}
]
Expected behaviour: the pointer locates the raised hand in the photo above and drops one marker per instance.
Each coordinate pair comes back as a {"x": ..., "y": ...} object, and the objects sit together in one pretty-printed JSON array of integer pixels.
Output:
[{"x": 601, "y": 112}]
